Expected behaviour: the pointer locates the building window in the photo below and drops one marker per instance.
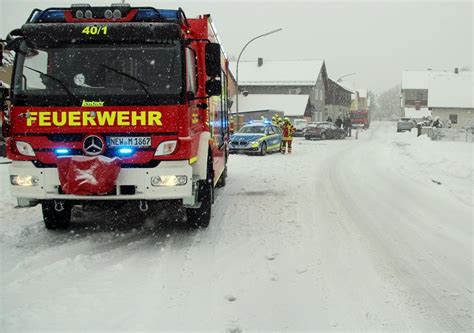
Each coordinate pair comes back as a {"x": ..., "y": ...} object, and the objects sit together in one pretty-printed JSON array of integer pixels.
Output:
[
  {"x": 316, "y": 94},
  {"x": 453, "y": 118},
  {"x": 321, "y": 94}
]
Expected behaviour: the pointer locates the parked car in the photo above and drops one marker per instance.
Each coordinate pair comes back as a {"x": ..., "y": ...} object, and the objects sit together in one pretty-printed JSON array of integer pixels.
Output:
[
  {"x": 405, "y": 124},
  {"x": 300, "y": 125},
  {"x": 323, "y": 130},
  {"x": 256, "y": 138}
]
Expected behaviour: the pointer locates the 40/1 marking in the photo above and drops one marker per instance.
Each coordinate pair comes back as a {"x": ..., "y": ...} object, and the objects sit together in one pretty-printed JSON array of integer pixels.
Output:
[{"x": 94, "y": 30}]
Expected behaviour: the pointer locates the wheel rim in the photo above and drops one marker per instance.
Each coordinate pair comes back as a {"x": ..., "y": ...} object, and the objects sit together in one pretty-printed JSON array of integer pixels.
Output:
[
  {"x": 264, "y": 148},
  {"x": 323, "y": 136}
]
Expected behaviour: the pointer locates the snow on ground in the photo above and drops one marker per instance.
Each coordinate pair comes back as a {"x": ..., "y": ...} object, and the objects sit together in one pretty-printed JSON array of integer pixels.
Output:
[{"x": 374, "y": 233}]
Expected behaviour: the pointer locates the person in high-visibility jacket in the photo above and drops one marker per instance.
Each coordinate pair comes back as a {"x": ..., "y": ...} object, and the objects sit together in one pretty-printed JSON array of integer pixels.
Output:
[
  {"x": 276, "y": 120},
  {"x": 288, "y": 132}
]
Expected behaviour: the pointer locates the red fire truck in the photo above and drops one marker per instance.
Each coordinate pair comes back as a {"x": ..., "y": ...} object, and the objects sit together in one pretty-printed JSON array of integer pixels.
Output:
[
  {"x": 116, "y": 104},
  {"x": 360, "y": 119}
]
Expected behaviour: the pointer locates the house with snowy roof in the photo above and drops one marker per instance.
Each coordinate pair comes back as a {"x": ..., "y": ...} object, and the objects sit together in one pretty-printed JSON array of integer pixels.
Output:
[
  {"x": 295, "y": 87},
  {"x": 451, "y": 97},
  {"x": 438, "y": 93},
  {"x": 338, "y": 100},
  {"x": 414, "y": 94}
]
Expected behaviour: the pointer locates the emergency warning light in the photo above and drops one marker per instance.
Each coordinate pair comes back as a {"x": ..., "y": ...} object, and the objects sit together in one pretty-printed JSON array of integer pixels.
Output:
[{"x": 116, "y": 12}]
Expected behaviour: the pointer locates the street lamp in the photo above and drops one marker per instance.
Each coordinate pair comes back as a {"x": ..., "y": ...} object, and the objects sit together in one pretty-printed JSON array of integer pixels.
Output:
[
  {"x": 237, "y": 71},
  {"x": 340, "y": 79}
]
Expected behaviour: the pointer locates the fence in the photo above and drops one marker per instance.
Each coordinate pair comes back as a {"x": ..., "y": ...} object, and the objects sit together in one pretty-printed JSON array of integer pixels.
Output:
[{"x": 449, "y": 134}]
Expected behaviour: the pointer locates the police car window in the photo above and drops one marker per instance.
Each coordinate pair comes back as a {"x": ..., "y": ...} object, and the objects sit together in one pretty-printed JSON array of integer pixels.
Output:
[
  {"x": 270, "y": 130},
  {"x": 253, "y": 129}
]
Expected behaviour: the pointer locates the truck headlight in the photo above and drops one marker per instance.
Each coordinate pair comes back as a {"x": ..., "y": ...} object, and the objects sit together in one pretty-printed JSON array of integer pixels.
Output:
[
  {"x": 25, "y": 148},
  {"x": 169, "y": 180},
  {"x": 24, "y": 180},
  {"x": 166, "y": 148}
]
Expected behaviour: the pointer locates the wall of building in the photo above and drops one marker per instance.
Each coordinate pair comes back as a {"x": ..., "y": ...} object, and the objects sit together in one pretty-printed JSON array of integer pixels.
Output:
[
  {"x": 6, "y": 74},
  {"x": 257, "y": 115},
  {"x": 465, "y": 117},
  {"x": 316, "y": 94},
  {"x": 335, "y": 111},
  {"x": 412, "y": 97},
  {"x": 317, "y": 100}
]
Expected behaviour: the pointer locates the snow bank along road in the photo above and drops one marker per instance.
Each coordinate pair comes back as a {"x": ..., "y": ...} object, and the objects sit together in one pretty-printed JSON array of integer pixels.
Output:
[{"x": 374, "y": 233}]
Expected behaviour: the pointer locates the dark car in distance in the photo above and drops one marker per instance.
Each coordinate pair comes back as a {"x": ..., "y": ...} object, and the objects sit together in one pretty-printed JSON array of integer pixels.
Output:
[{"x": 323, "y": 130}]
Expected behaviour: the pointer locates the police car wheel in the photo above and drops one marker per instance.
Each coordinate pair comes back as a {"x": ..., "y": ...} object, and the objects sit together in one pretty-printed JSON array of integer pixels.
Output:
[
  {"x": 263, "y": 149},
  {"x": 53, "y": 219}
]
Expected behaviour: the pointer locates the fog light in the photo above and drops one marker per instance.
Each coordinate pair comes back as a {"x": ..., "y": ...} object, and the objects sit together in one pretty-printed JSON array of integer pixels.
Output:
[
  {"x": 169, "y": 180},
  {"x": 24, "y": 180},
  {"x": 62, "y": 151},
  {"x": 124, "y": 151},
  {"x": 117, "y": 14},
  {"x": 108, "y": 14}
]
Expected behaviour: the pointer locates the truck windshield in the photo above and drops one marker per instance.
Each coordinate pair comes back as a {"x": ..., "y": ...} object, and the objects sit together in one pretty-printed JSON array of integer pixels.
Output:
[{"x": 118, "y": 74}]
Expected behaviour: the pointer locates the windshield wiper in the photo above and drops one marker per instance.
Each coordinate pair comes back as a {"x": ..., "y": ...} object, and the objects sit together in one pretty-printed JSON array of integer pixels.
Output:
[
  {"x": 69, "y": 92},
  {"x": 140, "y": 82}
]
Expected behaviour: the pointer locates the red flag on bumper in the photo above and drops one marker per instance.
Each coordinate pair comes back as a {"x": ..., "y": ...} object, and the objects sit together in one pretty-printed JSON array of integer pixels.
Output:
[{"x": 88, "y": 175}]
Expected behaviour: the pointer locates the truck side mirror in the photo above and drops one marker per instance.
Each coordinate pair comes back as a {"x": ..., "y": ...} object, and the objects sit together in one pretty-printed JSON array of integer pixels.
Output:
[
  {"x": 213, "y": 87},
  {"x": 213, "y": 60}
]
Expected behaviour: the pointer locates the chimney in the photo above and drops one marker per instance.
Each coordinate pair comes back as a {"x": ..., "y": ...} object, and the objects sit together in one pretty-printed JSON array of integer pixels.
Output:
[
  {"x": 260, "y": 62},
  {"x": 456, "y": 70}
]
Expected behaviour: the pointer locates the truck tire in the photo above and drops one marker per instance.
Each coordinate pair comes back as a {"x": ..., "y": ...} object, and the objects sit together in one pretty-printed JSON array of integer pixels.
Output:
[
  {"x": 200, "y": 217},
  {"x": 54, "y": 220}
]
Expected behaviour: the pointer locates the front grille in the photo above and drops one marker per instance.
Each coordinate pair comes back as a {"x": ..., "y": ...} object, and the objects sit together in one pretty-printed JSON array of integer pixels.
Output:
[
  {"x": 239, "y": 143},
  {"x": 57, "y": 137},
  {"x": 124, "y": 189}
]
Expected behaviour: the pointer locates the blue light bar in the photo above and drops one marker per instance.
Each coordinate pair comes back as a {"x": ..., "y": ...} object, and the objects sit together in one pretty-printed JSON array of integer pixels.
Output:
[
  {"x": 125, "y": 151},
  {"x": 50, "y": 16},
  {"x": 147, "y": 15},
  {"x": 160, "y": 15},
  {"x": 62, "y": 151},
  {"x": 169, "y": 15}
]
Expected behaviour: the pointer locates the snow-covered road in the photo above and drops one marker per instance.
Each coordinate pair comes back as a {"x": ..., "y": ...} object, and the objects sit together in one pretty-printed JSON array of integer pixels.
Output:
[{"x": 374, "y": 233}]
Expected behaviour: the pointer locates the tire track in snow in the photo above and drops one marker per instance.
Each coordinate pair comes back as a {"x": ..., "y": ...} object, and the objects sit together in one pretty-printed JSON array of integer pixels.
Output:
[{"x": 419, "y": 292}]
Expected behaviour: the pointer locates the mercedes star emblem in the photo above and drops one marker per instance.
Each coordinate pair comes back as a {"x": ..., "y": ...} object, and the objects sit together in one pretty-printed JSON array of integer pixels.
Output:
[{"x": 93, "y": 145}]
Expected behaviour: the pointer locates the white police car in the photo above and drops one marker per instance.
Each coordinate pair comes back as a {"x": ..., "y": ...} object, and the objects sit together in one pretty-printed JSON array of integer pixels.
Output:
[{"x": 256, "y": 138}]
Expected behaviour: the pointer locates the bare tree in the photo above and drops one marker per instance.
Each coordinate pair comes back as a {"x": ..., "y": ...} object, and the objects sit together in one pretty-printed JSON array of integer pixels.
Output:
[{"x": 388, "y": 104}]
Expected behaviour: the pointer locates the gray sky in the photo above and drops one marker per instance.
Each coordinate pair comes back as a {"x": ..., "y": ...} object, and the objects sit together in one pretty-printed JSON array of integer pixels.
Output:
[{"x": 377, "y": 40}]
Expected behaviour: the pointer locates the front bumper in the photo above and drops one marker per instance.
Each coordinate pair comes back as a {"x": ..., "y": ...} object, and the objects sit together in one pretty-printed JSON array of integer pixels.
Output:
[
  {"x": 250, "y": 150},
  {"x": 49, "y": 186}
]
